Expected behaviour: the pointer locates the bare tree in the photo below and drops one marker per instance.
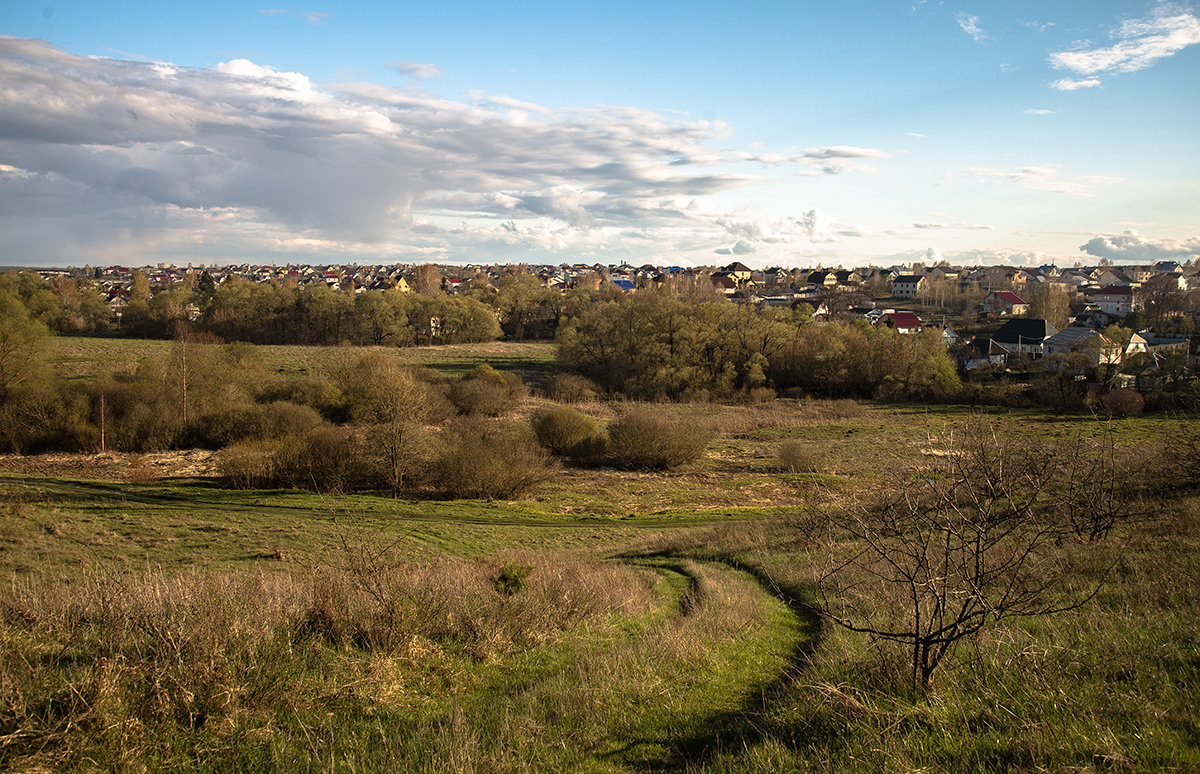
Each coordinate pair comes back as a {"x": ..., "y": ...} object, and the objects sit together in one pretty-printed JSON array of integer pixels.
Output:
[
  {"x": 426, "y": 279},
  {"x": 989, "y": 531}
]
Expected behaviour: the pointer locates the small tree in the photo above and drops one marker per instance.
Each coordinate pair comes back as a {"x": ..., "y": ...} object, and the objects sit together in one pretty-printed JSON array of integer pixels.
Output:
[{"x": 990, "y": 531}]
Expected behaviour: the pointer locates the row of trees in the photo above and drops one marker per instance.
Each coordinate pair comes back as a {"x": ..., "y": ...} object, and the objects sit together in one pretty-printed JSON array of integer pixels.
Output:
[
  {"x": 240, "y": 310},
  {"x": 657, "y": 345}
]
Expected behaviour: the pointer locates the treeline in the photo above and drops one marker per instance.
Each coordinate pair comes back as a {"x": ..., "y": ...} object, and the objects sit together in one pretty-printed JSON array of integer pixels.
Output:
[
  {"x": 363, "y": 423},
  {"x": 64, "y": 305},
  {"x": 265, "y": 313},
  {"x": 241, "y": 310},
  {"x": 658, "y": 346}
]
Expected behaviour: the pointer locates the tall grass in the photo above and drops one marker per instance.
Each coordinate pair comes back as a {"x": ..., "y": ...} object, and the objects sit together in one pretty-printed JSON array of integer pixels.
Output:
[{"x": 166, "y": 671}]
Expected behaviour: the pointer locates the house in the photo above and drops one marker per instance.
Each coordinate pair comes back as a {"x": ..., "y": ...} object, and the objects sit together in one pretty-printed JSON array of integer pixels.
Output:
[
  {"x": 903, "y": 322},
  {"x": 992, "y": 278},
  {"x": 739, "y": 272},
  {"x": 1105, "y": 277},
  {"x": 724, "y": 283},
  {"x": 1024, "y": 335},
  {"x": 847, "y": 278},
  {"x": 908, "y": 285},
  {"x": 1115, "y": 299},
  {"x": 821, "y": 278},
  {"x": 985, "y": 352},
  {"x": 1091, "y": 343},
  {"x": 1004, "y": 302},
  {"x": 816, "y": 309}
]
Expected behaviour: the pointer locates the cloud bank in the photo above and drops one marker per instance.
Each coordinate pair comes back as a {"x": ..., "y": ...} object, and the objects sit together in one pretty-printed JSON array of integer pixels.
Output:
[
  {"x": 244, "y": 159},
  {"x": 1132, "y": 246}
]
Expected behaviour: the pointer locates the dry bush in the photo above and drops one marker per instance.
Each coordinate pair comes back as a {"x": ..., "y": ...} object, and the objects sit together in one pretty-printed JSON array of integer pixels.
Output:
[
  {"x": 760, "y": 394},
  {"x": 991, "y": 529},
  {"x": 800, "y": 457},
  {"x": 1123, "y": 402},
  {"x": 646, "y": 439},
  {"x": 569, "y": 433},
  {"x": 484, "y": 391},
  {"x": 572, "y": 388},
  {"x": 488, "y": 459},
  {"x": 257, "y": 422},
  {"x": 249, "y": 464},
  {"x": 399, "y": 453},
  {"x": 326, "y": 459}
]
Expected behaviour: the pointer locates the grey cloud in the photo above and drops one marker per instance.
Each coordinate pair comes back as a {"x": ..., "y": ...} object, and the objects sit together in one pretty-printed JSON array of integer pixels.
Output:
[
  {"x": 346, "y": 161},
  {"x": 741, "y": 247},
  {"x": 1132, "y": 246}
]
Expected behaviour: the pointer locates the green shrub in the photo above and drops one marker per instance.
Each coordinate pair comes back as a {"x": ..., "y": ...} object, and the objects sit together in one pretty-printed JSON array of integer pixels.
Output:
[
  {"x": 492, "y": 460},
  {"x": 645, "y": 439},
  {"x": 572, "y": 388},
  {"x": 569, "y": 433},
  {"x": 511, "y": 578},
  {"x": 484, "y": 391}
]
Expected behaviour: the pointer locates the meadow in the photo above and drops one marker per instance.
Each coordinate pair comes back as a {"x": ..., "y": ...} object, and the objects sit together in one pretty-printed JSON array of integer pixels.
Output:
[{"x": 612, "y": 621}]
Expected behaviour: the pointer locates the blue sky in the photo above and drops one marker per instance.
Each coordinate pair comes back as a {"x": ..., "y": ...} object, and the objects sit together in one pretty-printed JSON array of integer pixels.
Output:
[{"x": 793, "y": 133}]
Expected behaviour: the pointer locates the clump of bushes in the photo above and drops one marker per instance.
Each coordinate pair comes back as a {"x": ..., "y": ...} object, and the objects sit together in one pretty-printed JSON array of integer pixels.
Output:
[
  {"x": 254, "y": 422},
  {"x": 572, "y": 388},
  {"x": 645, "y": 439},
  {"x": 325, "y": 459},
  {"x": 1123, "y": 402},
  {"x": 492, "y": 460},
  {"x": 569, "y": 433},
  {"x": 484, "y": 391}
]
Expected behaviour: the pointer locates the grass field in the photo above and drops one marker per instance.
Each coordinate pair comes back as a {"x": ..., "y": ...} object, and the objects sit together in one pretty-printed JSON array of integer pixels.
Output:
[
  {"x": 77, "y": 356},
  {"x": 151, "y": 619}
]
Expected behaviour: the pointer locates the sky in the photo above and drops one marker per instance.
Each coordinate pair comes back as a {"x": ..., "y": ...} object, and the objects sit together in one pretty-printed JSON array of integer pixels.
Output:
[{"x": 802, "y": 133}]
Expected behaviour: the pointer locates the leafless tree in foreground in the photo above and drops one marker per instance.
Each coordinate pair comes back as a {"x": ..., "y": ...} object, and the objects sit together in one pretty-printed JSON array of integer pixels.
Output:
[{"x": 993, "y": 529}]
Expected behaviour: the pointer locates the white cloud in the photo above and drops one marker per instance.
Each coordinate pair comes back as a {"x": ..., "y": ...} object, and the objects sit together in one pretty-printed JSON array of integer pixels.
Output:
[
  {"x": 1037, "y": 178},
  {"x": 1039, "y": 26},
  {"x": 416, "y": 70},
  {"x": 1038, "y": 112},
  {"x": 243, "y": 158},
  {"x": 1139, "y": 44},
  {"x": 1132, "y": 246},
  {"x": 970, "y": 25},
  {"x": 838, "y": 159},
  {"x": 1071, "y": 84},
  {"x": 959, "y": 226}
]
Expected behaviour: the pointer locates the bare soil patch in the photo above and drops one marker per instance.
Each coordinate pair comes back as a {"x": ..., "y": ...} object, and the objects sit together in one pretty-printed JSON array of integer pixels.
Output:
[{"x": 113, "y": 466}]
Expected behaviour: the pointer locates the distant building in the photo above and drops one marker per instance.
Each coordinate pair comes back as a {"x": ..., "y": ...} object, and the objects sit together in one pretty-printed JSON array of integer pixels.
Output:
[
  {"x": 1024, "y": 335},
  {"x": 908, "y": 285},
  {"x": 1004, "y": 302}
]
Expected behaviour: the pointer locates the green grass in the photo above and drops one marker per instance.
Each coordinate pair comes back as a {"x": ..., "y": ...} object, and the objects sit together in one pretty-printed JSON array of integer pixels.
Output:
[
  {"x": 665, "y": 628},
  {"x": 83, "y": 356}
]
